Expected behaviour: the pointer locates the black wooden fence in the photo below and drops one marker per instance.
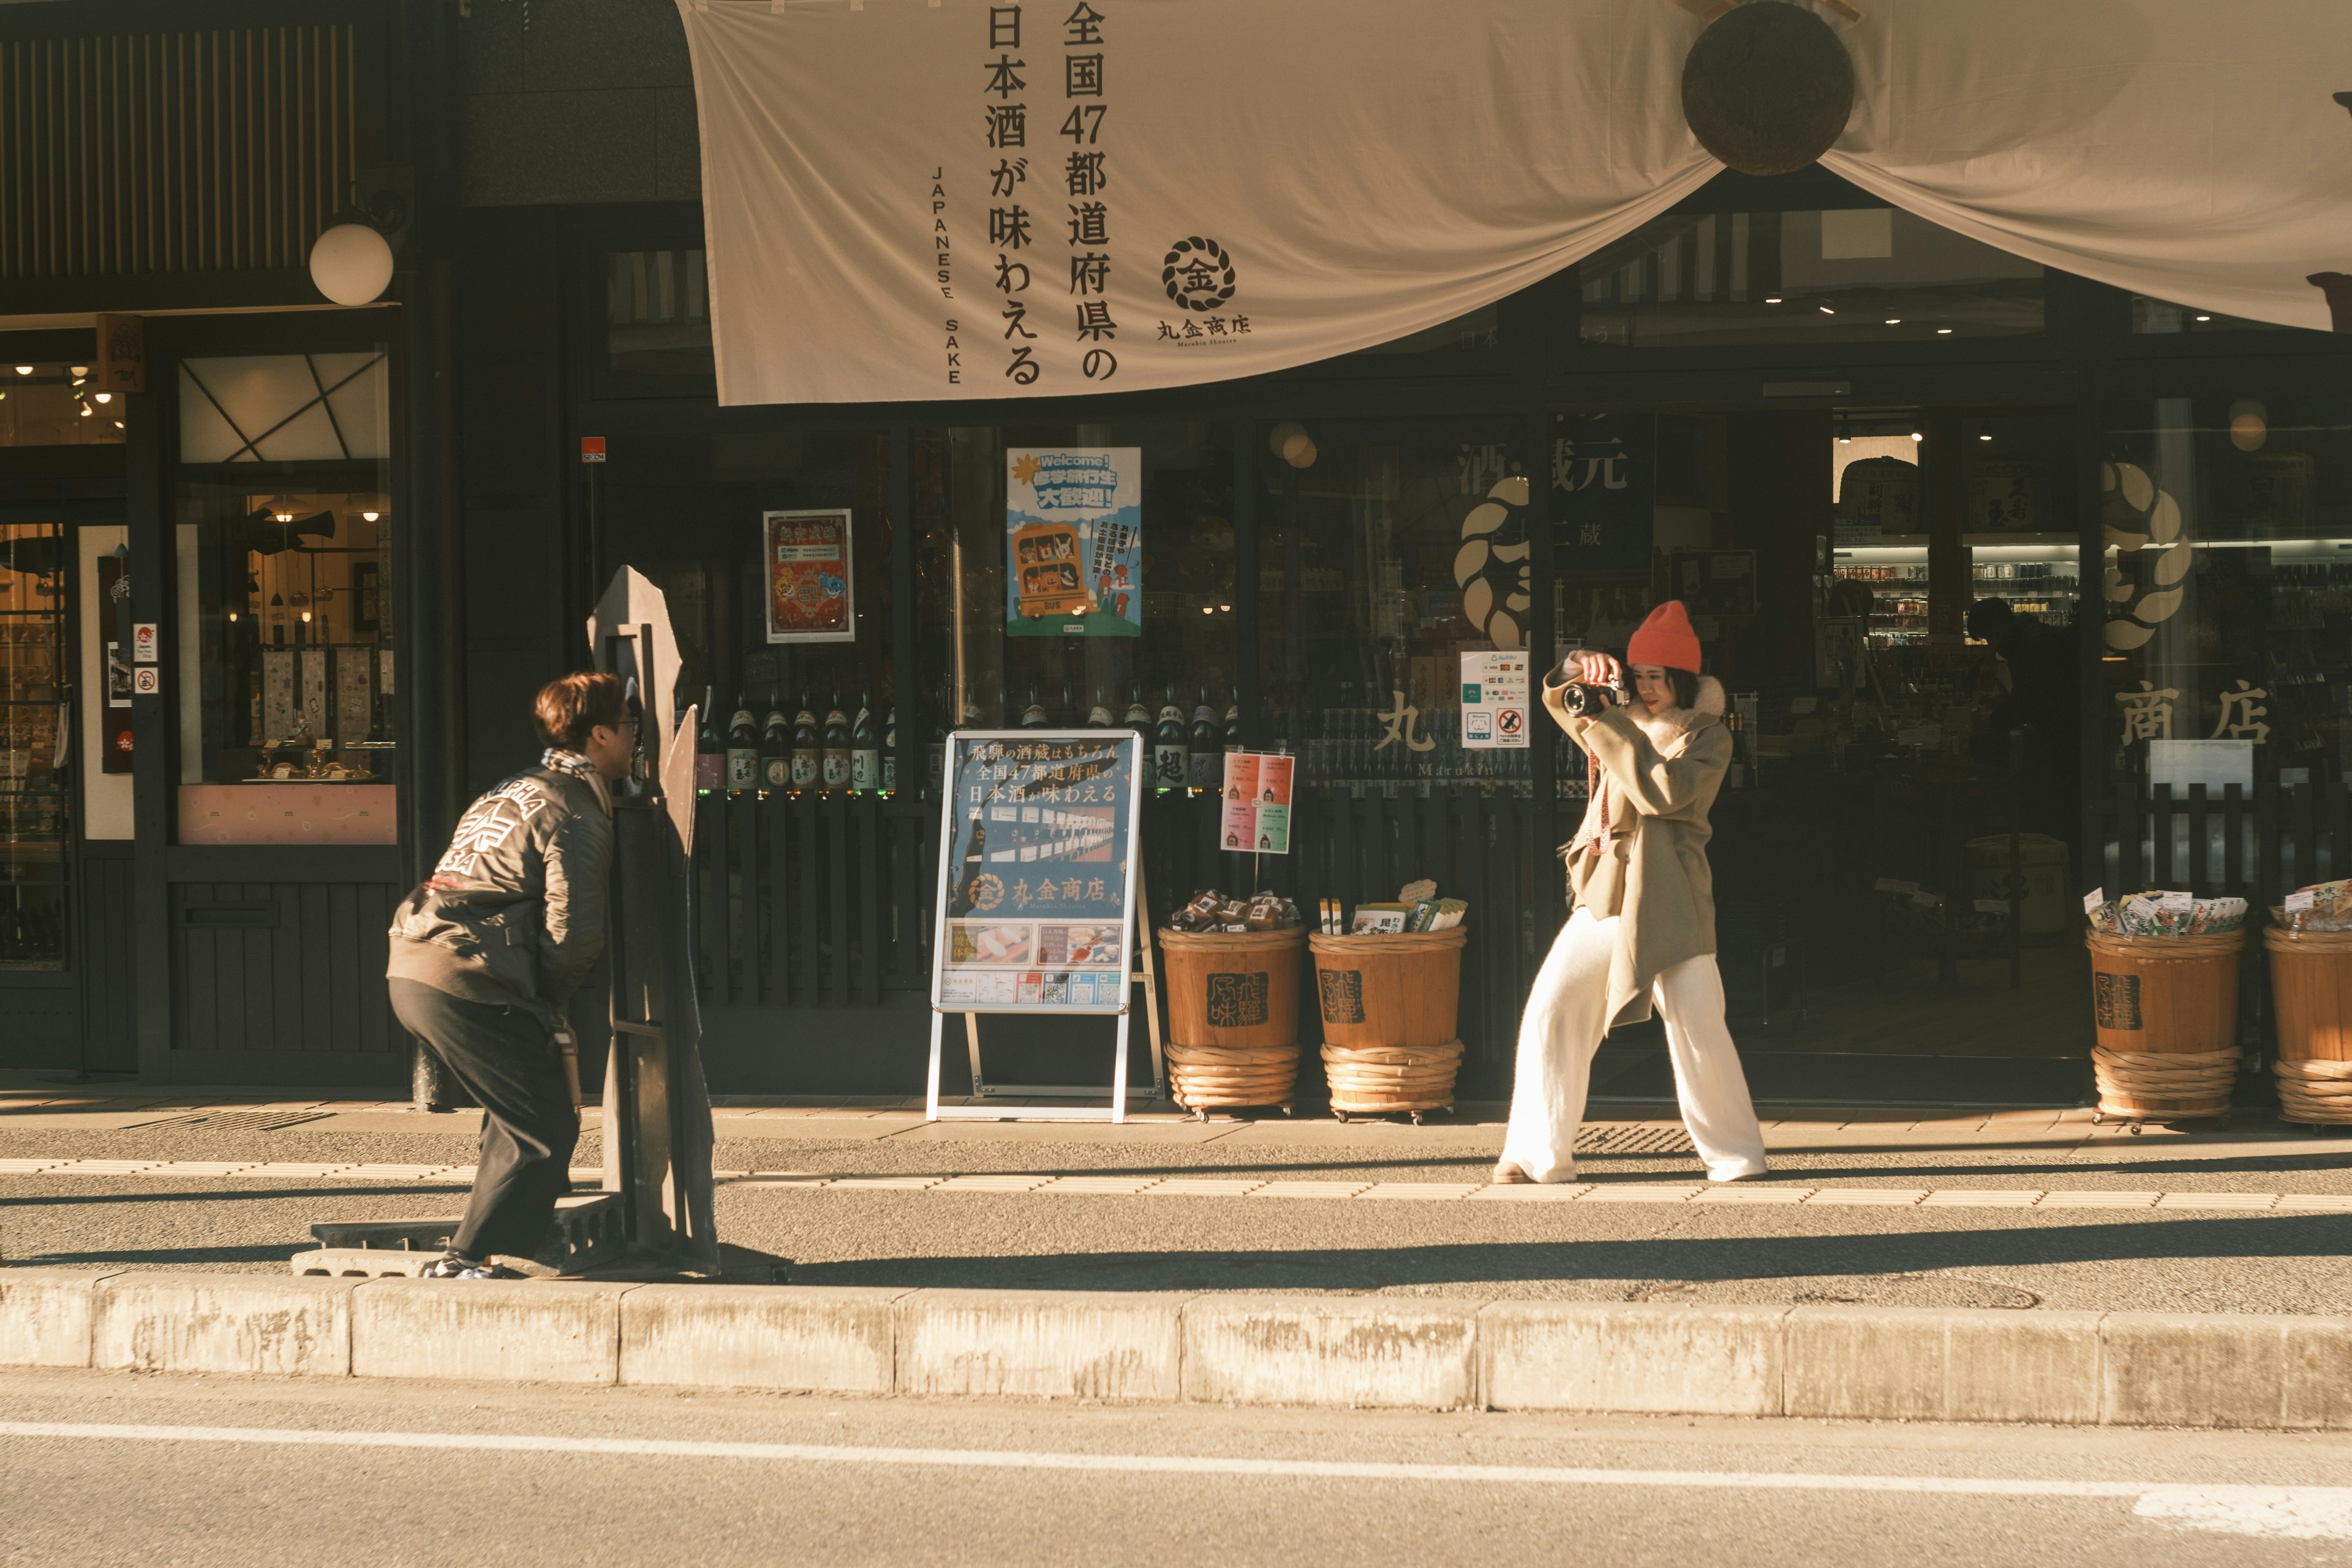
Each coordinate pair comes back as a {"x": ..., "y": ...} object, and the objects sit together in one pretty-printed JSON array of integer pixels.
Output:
[{"x": 827, "y": 900}]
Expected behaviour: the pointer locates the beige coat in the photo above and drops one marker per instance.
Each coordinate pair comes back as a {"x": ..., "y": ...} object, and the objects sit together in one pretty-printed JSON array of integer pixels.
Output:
[{"x": 1660, "y": 773}]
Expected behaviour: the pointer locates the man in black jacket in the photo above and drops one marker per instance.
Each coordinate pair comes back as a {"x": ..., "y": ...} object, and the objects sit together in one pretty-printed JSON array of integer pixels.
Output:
[{"x": 487, "y": 949}]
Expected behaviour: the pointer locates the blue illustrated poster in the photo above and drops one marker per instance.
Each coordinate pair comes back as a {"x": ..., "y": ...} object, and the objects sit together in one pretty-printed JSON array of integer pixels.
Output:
[{"x": 1074, "y": 542}]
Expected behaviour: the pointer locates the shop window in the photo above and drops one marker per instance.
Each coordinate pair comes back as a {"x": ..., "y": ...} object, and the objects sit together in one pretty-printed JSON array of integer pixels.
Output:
[
  {"x": 2160, "y": 318},
  {"x": 54, "y": 406},
  {"x": 2013, "y": 505},
  {"x": 1119, "y": 613},
  {"x": 780, "y": 597},
  {"x": 290, "y": 725},
  {"x": 32, "y": 772},
  {"x": 1479, "y": 331},
  {"x": 1383, "y": 560},
  {"x": 285, "y": 408},
  {"x": 1859, "y": 275},
  {"x": 657, "y": 313},
  {"x": 2228, "y": 633}
]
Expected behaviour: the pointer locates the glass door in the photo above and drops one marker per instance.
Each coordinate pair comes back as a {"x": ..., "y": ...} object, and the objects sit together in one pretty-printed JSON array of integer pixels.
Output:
[{"x": 32, "y": 779}]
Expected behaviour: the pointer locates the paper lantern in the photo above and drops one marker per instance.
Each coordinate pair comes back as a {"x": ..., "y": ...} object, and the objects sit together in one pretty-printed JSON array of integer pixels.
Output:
[{"x": 352, "y": 264}]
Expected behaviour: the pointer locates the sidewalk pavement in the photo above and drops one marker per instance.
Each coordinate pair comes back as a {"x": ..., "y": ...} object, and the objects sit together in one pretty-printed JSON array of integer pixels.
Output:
[{"x": 2040, "y": 1210}]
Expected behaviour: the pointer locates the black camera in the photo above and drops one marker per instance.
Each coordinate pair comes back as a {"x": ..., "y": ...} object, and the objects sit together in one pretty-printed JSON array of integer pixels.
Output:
[{"x": 1583, "y": 701}]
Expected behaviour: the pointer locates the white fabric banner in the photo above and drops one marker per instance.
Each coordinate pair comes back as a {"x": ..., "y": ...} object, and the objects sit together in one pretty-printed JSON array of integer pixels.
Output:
[{"x": 933, "y": 199}]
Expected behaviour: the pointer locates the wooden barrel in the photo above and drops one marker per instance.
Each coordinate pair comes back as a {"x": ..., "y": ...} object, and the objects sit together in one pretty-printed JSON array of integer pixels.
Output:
[
  {"x": 1401, "y": 990},
  {"x": 1232, "y": 988},
  {"x": 1232, "y": 1015},
  {"x": 2310, "y": 990},
  {"x": 2167, "y": 1011}
]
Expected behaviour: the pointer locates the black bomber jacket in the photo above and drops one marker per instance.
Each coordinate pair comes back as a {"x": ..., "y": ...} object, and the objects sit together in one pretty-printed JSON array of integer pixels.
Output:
[{"x": 515, "y": 911}]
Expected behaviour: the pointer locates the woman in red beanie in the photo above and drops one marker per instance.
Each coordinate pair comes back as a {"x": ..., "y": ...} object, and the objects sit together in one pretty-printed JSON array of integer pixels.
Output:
[{"x": 1643, "y": 920}]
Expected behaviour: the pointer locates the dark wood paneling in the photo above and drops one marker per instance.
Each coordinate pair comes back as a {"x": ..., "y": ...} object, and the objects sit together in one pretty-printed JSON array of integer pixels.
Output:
[
  {"x": 282, "y": 968},
  {"x": 105, "y": 961},
  {"x": 224, "y": 863}
]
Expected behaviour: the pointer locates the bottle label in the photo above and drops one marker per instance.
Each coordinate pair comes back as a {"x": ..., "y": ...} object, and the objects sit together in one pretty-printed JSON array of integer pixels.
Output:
[
  {"x": 1168, "y": 766},
  {"x": 743, "y": 771},
  {"x": 889, "y": 772},
  {"x": 709, "y": 770},
  {"x": 865, "y": 769},
  {"x": 1205, "y": 769},
  {"x": 836, "y": 770},
  {"x": 804, "y": 771},
  {"x": 777, "y": 772}
]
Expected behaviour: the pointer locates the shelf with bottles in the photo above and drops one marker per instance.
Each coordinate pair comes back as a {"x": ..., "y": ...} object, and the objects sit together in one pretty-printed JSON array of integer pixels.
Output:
[
  {"x": 802, "y": 754},
  {"x": 2306, "y": 593}
]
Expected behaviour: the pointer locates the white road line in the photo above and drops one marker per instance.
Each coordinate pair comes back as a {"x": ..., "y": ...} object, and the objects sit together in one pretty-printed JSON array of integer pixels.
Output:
[{"x": 2303, "y": 1511}]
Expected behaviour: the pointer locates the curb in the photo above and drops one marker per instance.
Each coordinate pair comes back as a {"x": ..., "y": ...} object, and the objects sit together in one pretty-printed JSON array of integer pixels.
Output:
[{"x": 1919, "y": 1363}]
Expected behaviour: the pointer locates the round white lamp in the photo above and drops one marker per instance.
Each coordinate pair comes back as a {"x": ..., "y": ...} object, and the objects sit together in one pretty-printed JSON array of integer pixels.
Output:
[{"x": 352, "y": 264}]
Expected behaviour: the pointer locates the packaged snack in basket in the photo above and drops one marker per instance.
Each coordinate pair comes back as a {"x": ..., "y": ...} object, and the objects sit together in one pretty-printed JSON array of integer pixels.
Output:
[
  {"x": 2157, "y": 913},
  {"x": 1446, "y": 913},
  {"x": 2323, "y": 906},
  {"x": 1379, "y": 920},
  {"x": 1417, "y": 892}
]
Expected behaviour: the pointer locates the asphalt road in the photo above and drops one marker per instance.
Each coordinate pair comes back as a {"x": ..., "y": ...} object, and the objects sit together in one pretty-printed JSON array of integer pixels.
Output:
[
  {"x": 2154, "y": 1260},
  {"x": 105, "y": 1469}
]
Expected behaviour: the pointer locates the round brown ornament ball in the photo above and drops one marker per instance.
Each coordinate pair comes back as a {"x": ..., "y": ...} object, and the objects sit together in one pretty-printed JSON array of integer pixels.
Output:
[{"x": 1768, "y": 86}]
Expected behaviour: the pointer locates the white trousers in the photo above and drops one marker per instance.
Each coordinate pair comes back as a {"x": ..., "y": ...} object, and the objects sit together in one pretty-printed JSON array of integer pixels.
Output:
[{"x": 1566, "y": 1018}]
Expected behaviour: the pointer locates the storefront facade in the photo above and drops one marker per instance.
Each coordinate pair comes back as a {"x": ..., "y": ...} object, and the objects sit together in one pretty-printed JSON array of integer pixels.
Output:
[
  {"x": 208, "y": 479},
  {"x": 1828, "y": 425}
]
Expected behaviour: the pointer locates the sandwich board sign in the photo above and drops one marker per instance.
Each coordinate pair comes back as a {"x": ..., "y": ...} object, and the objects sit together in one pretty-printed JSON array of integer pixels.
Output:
[{"x": 1039, "y": 902}]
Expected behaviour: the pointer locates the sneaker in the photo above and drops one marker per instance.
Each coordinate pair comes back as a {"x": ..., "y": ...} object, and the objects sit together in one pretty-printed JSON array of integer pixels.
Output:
[
  {"x": 1509, "y": 1175},
  {"x": 459, "y": 1268}
]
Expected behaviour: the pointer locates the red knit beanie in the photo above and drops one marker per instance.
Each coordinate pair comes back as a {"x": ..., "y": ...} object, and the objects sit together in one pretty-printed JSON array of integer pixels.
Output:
[{"x": 1666, "y": 638}]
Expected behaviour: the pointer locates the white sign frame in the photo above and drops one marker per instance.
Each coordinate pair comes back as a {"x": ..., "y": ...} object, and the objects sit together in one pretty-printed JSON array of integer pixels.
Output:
[{"x": 1136, "y": 939}]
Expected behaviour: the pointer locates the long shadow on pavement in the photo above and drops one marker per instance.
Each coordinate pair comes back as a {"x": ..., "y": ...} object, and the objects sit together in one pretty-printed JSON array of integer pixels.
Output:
[{"x": 1667, "y": 1258}]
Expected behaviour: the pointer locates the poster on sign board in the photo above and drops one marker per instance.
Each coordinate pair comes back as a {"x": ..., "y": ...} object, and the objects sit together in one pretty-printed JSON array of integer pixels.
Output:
[
  {"x": 1074, "y": 542},
  {"x": 812, "y": 579},
  {"x": 1037, "y": 873}
]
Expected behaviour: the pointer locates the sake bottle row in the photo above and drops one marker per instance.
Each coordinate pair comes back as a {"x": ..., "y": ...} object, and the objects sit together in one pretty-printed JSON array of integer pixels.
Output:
[{"x": 838, "y": 753}]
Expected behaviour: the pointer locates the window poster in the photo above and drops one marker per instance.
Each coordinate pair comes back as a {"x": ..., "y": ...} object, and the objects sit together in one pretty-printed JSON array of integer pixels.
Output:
[
  {"x": 1037, "y": 872},
  {"x": 1074, "y": 539},
  {"x": 1493, "y": 701},
  {"x": 812, "y": 580},
  {"x": 1257, "y": 802}
]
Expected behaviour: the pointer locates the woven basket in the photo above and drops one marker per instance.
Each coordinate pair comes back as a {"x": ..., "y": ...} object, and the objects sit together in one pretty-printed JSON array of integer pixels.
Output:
[
  {"x": 1373, "y": 1081},
  {"x": 2159, "y": 1085},
  {"x": 2317, "y": 1093},
  {"x": 1204, "y": 1077}
]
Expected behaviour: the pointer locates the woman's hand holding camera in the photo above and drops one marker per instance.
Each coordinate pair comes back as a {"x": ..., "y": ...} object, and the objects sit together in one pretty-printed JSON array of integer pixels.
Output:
[
  {"x": 1570, "y": 689},
  {"x": 1589, "y": 667}
]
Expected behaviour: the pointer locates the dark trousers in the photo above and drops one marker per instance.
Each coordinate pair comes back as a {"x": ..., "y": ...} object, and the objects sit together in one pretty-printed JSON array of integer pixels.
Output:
[{"x": 506, "y": 1061}]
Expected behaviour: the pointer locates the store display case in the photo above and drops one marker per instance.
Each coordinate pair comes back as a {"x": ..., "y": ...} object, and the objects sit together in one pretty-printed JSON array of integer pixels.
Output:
[{"x": 2037, "y": 574}]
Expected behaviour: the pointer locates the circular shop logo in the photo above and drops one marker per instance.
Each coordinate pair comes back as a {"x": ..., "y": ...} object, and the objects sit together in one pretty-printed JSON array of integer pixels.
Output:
[{"x": 1198, "y": 273}]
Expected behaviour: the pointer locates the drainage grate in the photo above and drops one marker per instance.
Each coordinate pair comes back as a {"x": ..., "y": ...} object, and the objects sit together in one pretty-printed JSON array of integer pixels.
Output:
[
  {"x": 1634, "y": 1141},
  {"x": 233, "y": 1120}
]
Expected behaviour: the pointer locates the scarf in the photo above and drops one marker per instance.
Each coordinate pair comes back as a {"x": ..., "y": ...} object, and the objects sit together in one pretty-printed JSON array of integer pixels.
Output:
[{"x": 555, "y": 758}]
